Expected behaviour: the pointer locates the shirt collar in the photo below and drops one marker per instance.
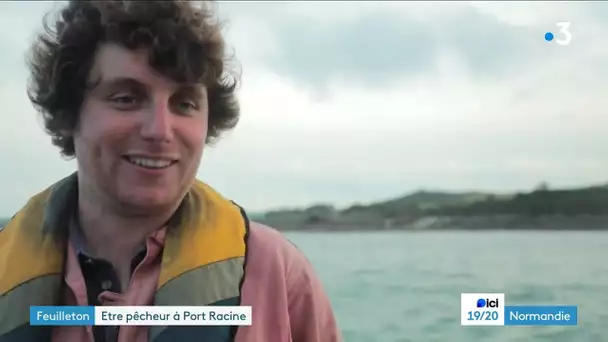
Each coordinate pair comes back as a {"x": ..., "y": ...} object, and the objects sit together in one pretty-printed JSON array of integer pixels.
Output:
[{"x": 78, "y": 242}]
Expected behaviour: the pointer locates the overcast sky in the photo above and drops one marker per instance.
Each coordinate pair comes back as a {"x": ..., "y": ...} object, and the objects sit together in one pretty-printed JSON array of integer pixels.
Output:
[{"x": 355, "y": 102}]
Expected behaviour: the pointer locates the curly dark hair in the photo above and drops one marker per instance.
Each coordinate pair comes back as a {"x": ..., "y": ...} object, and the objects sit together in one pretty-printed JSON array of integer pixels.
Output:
[{"x": 185, "y": 44}]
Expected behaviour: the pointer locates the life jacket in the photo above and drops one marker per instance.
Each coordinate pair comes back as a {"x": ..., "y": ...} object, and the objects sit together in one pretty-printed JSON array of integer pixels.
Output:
[{"x": 203, "y": 262}]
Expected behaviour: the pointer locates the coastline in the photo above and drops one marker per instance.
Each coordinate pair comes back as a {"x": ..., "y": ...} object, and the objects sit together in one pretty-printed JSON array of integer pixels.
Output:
[{"x": 453, "y": 223}]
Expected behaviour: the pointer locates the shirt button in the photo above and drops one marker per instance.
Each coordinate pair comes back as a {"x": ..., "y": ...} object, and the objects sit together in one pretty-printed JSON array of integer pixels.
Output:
[{"x": 106, "y": 285}]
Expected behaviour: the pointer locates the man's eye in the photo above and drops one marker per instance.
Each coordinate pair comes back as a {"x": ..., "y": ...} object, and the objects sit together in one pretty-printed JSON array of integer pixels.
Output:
[
  {"x": 124, "y": 99},
  {"x": 186, "y": 107}
]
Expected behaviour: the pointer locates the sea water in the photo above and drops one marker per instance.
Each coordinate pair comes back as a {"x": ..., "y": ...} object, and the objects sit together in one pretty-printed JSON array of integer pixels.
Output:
[{"x": 405, "y": 286}]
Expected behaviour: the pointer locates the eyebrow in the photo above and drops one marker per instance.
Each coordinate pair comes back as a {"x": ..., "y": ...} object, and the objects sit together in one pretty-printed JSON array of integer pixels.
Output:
[
  {"x": 195, "y": 90},
  {"x": 117, "y": 81}
]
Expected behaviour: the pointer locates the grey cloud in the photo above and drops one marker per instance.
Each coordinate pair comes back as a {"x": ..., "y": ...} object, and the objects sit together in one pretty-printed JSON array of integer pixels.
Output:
[
  {"x": 598, "y": 12},
  {"x": 380, "y": 47},
  {"x": 375, "y": 49},
  {"x": 489, "y": 48}
]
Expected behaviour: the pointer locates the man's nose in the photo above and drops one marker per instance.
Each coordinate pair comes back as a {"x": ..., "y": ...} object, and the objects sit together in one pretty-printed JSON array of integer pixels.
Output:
[{"x": 157, "y": 123}]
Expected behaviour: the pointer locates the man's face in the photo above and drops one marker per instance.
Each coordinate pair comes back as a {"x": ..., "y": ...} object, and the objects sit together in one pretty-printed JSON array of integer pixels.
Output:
[{"x": 141, "y": 135}]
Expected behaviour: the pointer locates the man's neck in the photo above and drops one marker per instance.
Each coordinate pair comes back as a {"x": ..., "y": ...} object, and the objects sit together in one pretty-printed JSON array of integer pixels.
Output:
[{"x": 112, "y": 235}]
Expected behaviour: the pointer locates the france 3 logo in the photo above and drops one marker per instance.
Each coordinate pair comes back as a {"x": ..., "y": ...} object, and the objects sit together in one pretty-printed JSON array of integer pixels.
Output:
[{"x": 482, "y": 309}]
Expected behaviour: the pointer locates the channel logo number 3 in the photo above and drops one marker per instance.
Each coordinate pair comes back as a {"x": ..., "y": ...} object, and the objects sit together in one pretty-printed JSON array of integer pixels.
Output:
[{"x": 564, "y": 33}]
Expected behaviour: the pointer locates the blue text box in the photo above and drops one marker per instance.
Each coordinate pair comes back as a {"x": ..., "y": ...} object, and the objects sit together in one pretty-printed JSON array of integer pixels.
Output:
[
  {"x": 541, "y": 315},
  {"x": 62, "y": 315}
]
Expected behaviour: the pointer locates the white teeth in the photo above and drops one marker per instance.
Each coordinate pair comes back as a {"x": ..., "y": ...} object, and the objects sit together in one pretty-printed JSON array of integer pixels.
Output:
[{"x": 151, "y": 163}]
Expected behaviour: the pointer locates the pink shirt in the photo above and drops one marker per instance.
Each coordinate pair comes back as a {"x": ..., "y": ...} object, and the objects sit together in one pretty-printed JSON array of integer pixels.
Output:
[{"x": 292, "y": 307}]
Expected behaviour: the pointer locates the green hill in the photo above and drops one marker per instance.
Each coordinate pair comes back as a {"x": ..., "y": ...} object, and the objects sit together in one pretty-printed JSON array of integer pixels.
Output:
[
  {"x": 523, "y": 208},
  {"x": 571, "y": 202},
  {"x": 413, "y": 204}
]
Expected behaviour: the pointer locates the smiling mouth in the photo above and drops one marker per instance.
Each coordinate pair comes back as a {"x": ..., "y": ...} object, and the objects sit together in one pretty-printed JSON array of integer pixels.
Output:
[{"x": 150, "y": 163}]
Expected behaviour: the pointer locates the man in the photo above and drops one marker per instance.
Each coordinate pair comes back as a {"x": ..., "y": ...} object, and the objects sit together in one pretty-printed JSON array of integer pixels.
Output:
[{"x": 133, "y": 91}]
